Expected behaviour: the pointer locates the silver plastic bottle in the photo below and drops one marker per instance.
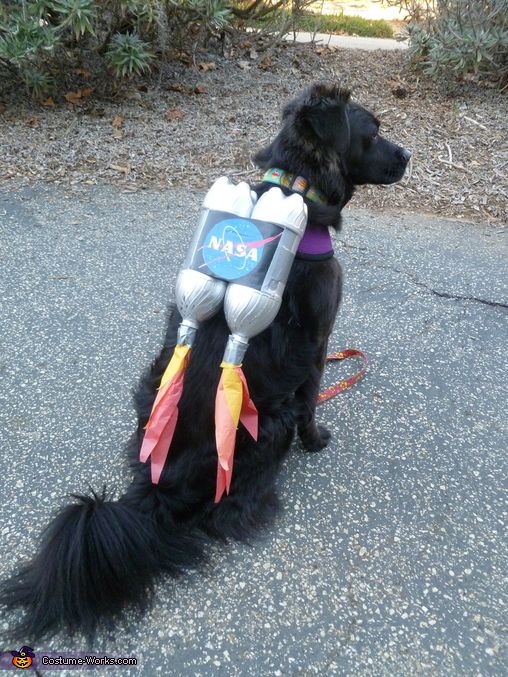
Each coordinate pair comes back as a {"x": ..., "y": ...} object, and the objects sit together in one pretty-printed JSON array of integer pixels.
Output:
[
  {"x": 249, "y": 311},
  {"x": 198, "y": 295}
]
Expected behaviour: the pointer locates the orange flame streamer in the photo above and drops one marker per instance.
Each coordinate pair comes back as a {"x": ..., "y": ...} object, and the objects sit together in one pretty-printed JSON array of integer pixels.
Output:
[
  {"x": 161, "y": 425},
  {"x": 232, "y": 404}
]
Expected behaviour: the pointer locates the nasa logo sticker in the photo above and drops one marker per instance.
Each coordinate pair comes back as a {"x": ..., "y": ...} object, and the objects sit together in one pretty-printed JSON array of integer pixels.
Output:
[{"x": 233, "y": 248}]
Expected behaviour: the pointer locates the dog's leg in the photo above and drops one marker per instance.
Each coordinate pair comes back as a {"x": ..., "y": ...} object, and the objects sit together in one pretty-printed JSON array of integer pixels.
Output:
[
  {"x": 252, "y": 503},
  {"x": 240, "y": 516},
  {"x": 318, "y": 305},
  {"x": 314, "y": 436}
]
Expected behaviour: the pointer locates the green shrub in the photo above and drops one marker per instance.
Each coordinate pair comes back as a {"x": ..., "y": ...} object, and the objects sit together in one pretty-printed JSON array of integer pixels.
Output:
[
  {"x": 301, "y": 15},
  {"x": 212, "y": 15},
  {"x": 128, "y": 55},
  {"x": 33, "y": 34},
  {"x": 458, "y": 37},
  {"x": 36, "y": 36},
  {"x": 343, "y": 24}
]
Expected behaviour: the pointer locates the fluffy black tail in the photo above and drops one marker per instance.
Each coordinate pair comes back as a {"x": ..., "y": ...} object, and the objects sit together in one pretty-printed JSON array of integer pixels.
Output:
[{"x": 96, "y": 557}]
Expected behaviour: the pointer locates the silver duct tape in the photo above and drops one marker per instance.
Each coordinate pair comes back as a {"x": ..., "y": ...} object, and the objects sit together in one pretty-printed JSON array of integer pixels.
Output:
[
  {"x": 198, "y": 296},
  {"x": 187, "y": 333},
  {"x": 235, "y": 349}
]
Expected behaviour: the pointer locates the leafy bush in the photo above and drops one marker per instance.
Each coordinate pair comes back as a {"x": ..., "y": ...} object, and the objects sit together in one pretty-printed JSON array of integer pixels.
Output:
[
  {"x": 35, "y": 34},
  {"x": 305, "y": 15},
  {"x": 343, "y": 24},
  {"x": 252, "y": 10},
  {"x": 459, "y": 37},
  {"x": 212, "y": 15}
]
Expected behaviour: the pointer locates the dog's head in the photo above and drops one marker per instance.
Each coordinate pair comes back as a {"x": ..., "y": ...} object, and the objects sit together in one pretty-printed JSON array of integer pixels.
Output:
[
  {"x": 334, "y": 143},
  {"x": 371, "y": 158}
]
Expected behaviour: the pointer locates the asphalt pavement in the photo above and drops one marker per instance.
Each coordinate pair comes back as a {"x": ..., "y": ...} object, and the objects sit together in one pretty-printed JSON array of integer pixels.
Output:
[{"x": 390, "y": 555}]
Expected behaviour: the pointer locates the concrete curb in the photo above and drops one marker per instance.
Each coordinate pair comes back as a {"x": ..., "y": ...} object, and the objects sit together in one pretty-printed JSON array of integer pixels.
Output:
[{"x": 349, "y": 41}]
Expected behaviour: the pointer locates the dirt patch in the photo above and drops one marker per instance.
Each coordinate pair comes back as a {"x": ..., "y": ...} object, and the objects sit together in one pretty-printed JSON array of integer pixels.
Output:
[{"x": 192, "y": 123}]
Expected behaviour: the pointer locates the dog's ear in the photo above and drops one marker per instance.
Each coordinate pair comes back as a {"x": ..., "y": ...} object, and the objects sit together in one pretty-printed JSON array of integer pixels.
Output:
[{"x": 323, "y": 113}]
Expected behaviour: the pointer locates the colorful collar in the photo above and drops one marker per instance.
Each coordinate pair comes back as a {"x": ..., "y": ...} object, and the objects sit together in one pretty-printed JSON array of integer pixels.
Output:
[{"x": 298, "y": 184}]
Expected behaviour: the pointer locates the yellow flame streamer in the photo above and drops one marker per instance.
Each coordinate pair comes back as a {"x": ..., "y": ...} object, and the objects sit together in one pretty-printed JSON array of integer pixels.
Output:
[{"x": 232, "y": 404}]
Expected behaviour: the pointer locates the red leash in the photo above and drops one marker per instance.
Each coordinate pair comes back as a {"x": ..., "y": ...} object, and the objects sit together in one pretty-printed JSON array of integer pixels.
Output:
[{"x": 340, "y": 386}]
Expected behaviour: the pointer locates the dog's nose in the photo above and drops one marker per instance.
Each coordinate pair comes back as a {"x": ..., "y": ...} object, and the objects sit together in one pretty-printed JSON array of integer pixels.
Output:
[{"x": 404, "y": 155}]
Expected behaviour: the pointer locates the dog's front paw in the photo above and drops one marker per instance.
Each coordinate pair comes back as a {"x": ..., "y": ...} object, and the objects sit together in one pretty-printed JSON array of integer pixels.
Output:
[{"x": 315, "y": 439}]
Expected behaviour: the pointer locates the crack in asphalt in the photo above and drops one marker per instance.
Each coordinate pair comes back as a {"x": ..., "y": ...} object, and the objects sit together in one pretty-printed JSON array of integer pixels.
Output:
[
  {"x": 456, "y": 297},
  {"x": 447, "y": 295},
  {"x": 419, "y": 283}
]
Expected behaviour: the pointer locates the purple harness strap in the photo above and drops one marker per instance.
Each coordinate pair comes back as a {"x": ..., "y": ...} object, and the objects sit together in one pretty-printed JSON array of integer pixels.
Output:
[{"x": 316, "y": 244}]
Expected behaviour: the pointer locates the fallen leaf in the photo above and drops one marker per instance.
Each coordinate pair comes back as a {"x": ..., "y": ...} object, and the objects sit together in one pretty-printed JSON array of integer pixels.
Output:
[
  {"x": 265, "y": 64},
  {"x": 207, "y": 66},
  {"x": 253, "y": 54},
  {"x": 76, "y": 97},
  {"x": 49, "y": 102},
  {"x": 174, "y": 114},
  {"x": 179, "y": 87},
  {"x": 118, "y": 134},
  {"x": 398, "y": 88},
  {"x": 117, "y": 121},
  {"x": 183, "y": 56},
  {"x": 325, "y": 50},
  {"x": 84, "y": 72},
  {"x": 186, "y": 89},
  {"x": 33, "y": 121},
  {"x": 244, "y": 65},
  {"x": 124, "y": 169},
  {"x": 73, "y": 97}
]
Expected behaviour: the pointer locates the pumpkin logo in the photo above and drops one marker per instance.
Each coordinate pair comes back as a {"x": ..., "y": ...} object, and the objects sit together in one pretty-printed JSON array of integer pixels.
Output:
[{"x": 23, "y": 658}]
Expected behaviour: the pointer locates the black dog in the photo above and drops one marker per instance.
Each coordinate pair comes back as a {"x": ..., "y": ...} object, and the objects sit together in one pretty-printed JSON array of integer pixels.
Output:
[{"x": 98, "y": 556}]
